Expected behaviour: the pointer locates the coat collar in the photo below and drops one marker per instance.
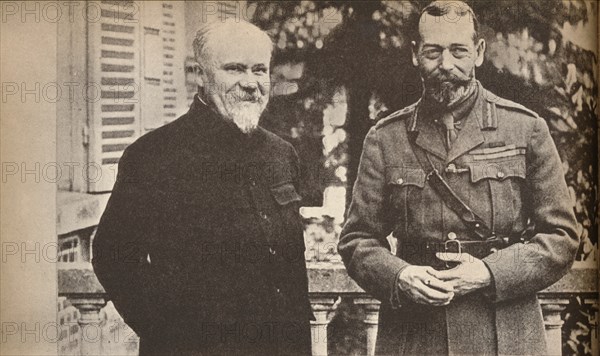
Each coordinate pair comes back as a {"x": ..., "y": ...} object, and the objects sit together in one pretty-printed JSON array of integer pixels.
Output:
[
  {"x": 208, "y": 126},
  {"x": 482, "y": 116}
]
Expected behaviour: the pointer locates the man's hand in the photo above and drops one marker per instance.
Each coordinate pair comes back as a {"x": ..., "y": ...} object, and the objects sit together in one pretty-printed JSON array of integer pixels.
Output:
[
  {"x": 470, "y": 275},
  {"x": 420, "y": 285}
]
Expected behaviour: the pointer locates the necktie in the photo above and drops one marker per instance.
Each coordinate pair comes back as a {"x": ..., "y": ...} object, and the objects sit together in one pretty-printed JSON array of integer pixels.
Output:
[{"x": 451, "y": 135}]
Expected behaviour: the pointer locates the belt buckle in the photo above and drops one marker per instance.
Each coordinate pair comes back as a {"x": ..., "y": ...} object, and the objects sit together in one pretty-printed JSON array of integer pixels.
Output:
[{"x": 447, "y": 245}]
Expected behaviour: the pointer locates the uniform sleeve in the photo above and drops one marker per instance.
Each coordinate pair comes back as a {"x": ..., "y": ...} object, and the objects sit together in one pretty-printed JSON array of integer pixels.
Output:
[
  {"x": 524, "y": 269},
  {"x": 120, "y": 249},
  {"x": 363, "y": 244}
]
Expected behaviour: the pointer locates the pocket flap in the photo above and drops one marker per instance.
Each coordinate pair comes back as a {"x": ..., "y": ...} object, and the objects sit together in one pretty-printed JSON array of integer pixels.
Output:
[
  {"x": 498, "y": 170},
  {"x": 401, "y": 176},
  {"x": 285, "y": 193}
]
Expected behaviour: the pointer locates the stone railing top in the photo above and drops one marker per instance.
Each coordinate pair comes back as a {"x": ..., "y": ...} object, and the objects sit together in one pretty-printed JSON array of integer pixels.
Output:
[
  {"x": 332, "y": 278},
  {"x": 76, "y": 211},
  {"x": 78, "y": 279},
  {"x": 324, "y": 279}
]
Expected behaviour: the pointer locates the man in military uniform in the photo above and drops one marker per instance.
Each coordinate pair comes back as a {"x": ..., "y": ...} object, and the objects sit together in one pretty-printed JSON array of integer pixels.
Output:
[
  {"x": 458, "y": 284},
  {"x": 201, "y": 245}
]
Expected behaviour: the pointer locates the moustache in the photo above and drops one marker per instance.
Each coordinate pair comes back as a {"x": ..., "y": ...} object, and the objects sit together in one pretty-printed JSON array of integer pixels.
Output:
[
  {"x": 448, "y": 78},
  {"x": 247, "y": 97}
]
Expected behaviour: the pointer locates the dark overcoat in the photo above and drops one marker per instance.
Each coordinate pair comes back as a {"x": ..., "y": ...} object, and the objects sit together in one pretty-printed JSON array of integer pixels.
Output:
[
  {"x": 201, "y": 245},
  {"x": 505, "y": 166}
]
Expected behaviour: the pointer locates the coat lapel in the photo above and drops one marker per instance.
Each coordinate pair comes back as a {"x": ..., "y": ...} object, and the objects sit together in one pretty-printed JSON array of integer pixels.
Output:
[
  {"x": 428, "y": 137},
  {"x": 470, "y": 136}
]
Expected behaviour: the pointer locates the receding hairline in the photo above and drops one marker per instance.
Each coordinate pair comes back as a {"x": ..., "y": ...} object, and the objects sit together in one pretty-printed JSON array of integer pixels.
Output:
[
  {"x": 443, "y": 8},
  {"x": 207, "y": 34}
]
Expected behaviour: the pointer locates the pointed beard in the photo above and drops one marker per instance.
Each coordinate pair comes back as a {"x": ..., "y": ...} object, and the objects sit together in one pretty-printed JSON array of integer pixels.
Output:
[
  {"x": 447, "y": 93},
  {"x": 246, "y": 115},
  {"x": 448, "y": 88}
]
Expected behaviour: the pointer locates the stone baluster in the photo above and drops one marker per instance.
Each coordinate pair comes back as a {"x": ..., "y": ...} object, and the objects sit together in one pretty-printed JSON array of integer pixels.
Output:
[
  {"x": 90, "y": 324},
  {"x": 371, "y": 307},
  {"x": 322, "y": 307},
  {"x": 552, "y": 308},
  {"x": 594, "y": 325}
]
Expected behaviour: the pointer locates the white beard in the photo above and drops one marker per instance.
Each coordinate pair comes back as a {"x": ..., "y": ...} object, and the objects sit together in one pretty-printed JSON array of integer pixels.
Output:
[{"x": 245, "y": 114}]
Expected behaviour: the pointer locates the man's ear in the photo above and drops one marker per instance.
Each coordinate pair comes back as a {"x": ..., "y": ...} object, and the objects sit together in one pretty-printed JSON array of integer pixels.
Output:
[
  {"x": 480, "y": 48},
  {"x": 415, "y": 49},
  {"x": 199, "y": 74}
]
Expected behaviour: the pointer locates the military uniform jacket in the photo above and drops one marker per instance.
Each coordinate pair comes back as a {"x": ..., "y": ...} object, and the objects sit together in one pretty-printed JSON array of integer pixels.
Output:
[
  {"x": 201, "y": 245},
  {"x": 505, "y": 166}
]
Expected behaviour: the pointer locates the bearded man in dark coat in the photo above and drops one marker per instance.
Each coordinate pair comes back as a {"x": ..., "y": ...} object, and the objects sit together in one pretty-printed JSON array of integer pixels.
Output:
[
  {"x": 457, "y": 284},
  {"x": 201, "y": 245}
]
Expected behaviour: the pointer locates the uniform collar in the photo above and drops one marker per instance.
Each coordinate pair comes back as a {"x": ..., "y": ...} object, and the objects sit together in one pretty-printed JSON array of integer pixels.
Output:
[
  {"x": 482, "y": 98},
  {"x": 432, "y": 110},
  {"x": 475, "y": 111}
]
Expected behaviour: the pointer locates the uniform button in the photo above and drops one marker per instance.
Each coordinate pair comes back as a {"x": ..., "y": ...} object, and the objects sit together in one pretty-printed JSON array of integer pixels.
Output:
[
  {"x": 272, "y": 252},
  {"x": 476, "y": 225},
  {"x": 399, "y": 181},
  {"x": 278, "y": 290},
  {"x": 252, "y": 182},
  {"x": 500, "y": 174},
  {"x": 263, "y": 215},
  {"x": 452, "y": 235}
]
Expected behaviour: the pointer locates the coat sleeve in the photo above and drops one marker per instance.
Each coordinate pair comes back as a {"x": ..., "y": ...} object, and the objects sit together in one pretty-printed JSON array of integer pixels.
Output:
[
  {"x": 120, "y": 253},
  {"x": 524, "y": 269},
  {"x": 363, "y": 244}
]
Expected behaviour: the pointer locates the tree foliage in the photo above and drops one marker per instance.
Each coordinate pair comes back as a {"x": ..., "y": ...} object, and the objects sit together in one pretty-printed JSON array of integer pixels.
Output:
[{"x": 365, "y": 48}]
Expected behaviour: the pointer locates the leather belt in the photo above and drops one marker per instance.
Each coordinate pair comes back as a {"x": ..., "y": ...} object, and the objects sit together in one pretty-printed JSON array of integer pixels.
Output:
[{"x": 423, "y": 252}]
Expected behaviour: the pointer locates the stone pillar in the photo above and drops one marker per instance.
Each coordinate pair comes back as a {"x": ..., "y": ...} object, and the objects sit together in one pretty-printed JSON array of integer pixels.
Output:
[
  {"x": 371, "y": 321},
  {"x": 90, "y": 324},
  {"x": 321, "y": 307},
  {"x": 553, "y": 322}
]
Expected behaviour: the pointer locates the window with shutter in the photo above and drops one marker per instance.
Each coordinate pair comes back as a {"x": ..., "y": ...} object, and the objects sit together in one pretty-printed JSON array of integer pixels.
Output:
[
  {"x": 113, "y": 88},
  {"x": 163, "y": 85},
  {"x": 136, "y": 72}
]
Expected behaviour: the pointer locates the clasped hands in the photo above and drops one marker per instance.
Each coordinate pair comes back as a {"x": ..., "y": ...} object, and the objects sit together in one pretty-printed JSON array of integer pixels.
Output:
[{"x": 425, "y": 285}]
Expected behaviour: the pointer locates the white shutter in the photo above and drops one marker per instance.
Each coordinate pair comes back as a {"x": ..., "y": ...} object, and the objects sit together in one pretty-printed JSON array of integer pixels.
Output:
[
  {"x": 113, "y": 87},
  {"x": 163, "y": 86},
  {"x": 136, "y": 75}
]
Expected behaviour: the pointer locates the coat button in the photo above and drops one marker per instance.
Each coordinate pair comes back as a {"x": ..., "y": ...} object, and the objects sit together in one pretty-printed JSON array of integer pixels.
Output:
[
  {"x": 500, "y": 174},
  {"x": 263, "y": 215},
  {"x": 272, "y": 252},
  {"x": 399, "y": 181},
  {"x": 252, "y": 182},
  {"x": 278, "y": 290},
  {"x": 452, "y": 235}
]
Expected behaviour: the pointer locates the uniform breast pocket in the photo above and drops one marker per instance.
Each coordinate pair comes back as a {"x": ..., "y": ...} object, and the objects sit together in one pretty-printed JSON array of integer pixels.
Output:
[
  {"x": 406, "y": 194},
  {"x": 497, "y": 186},
  {"x": 404, "y": 184}
]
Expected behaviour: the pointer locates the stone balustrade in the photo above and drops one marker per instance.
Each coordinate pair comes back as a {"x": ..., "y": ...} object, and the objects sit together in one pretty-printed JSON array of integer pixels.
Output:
[{"x": 327, "y": 284}]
